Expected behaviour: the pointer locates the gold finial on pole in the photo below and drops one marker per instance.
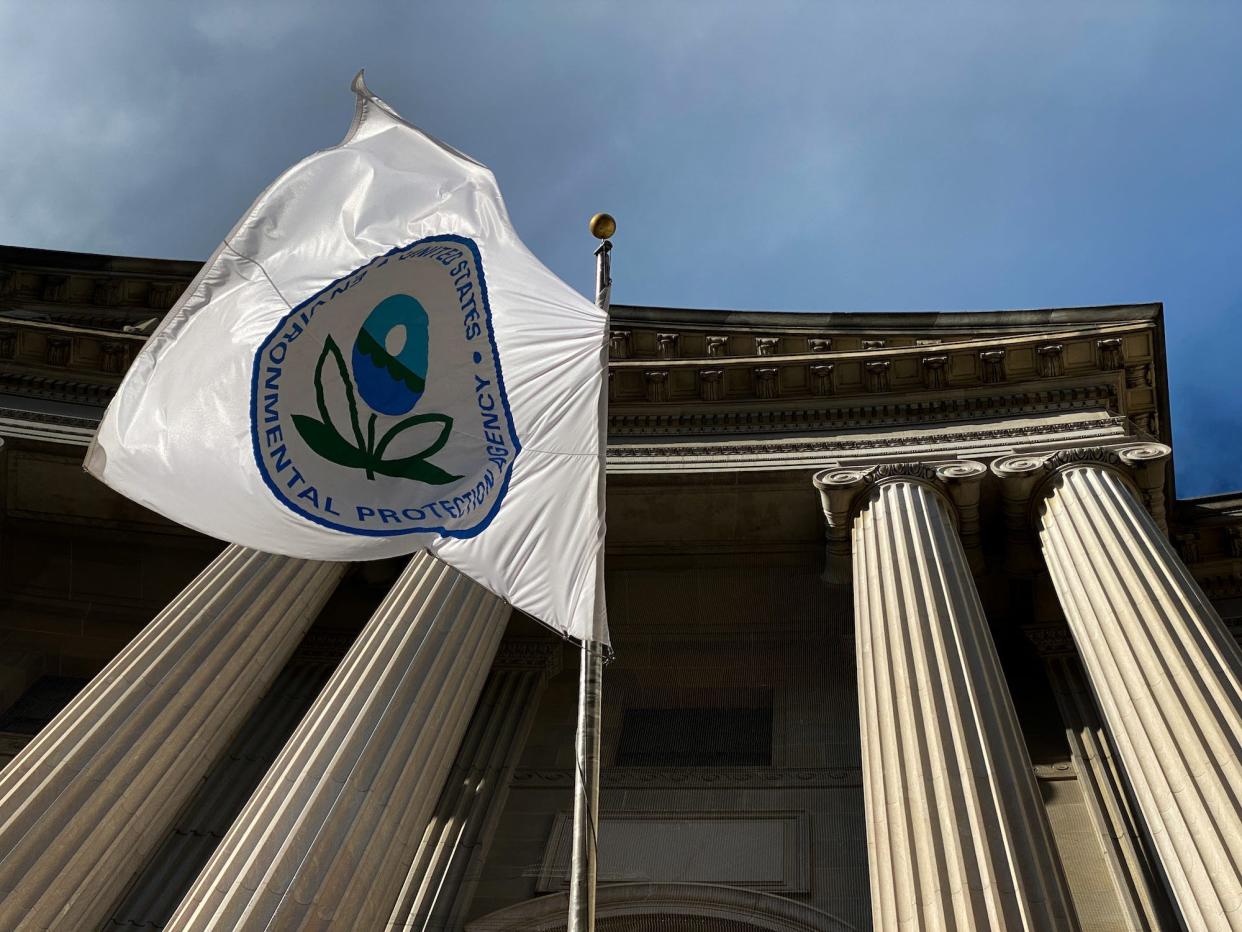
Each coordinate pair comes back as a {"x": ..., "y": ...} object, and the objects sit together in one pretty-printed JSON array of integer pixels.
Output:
[{"x": 603, "y": 226}]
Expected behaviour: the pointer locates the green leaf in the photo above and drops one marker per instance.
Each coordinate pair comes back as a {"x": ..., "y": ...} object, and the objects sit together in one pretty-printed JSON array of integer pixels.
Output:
[
  {"x": 416, "y": 468},
  {"x": 324, "y": 440},
  {"x": 400, "y": 427},
  {"x": 330, "y": 347}
]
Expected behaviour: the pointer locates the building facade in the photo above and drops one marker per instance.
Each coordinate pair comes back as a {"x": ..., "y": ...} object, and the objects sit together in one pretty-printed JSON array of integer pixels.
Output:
[{"x": 911, "y": 632}]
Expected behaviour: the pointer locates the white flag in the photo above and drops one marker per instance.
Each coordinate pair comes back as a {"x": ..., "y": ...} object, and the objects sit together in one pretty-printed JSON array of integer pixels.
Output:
[{"x": 372, "y": 363}]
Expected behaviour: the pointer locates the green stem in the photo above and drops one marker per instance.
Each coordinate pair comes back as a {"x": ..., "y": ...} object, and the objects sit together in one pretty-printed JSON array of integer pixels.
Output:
[{"x": 370, "y": 446}]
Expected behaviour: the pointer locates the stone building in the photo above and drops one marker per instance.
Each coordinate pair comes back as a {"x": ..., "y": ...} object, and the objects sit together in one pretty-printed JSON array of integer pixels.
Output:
[{"x": 911, "y": 632}]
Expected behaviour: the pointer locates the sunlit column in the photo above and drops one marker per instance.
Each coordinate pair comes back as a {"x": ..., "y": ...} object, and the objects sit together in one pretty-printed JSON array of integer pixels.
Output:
[
  {"x": 89, "y": 799},
  {"x": 957, "y": 835},
  {"x": 327, "y": 839},
  {"x": 1166, "y": 672}
]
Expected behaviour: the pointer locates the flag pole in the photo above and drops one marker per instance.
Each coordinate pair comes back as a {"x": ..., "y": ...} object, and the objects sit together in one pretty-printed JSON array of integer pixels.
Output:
[{"x": 584, "y": 866}]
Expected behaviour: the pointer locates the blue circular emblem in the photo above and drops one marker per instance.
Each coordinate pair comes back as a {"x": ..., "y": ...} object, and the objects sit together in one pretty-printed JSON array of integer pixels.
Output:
[{"x": 412, "y": 432}]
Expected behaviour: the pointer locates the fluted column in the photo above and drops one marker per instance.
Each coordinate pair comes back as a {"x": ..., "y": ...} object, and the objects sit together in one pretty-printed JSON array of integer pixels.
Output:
[
  {"x": 1166, "y": 672},
  {"x": 438, "y": 886},
  {"x": 328, "y": 837},
  {"x": 1130, "y": 861},
  {"x": 89, "y": 799},
  {"x": 956, "y": 832}
]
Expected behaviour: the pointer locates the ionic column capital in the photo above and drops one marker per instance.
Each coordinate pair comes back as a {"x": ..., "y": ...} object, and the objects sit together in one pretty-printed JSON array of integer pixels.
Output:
[
  {"x": 1029, "y": 477},
  {"x": 845, "y": 490}
]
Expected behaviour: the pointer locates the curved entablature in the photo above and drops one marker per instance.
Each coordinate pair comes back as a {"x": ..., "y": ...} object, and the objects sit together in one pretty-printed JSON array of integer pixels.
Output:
[{"x": 695, "y": 373}]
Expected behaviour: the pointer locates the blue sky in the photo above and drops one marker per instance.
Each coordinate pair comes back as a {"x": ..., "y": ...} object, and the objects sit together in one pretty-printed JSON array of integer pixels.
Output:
[{"x": 794, "y": 156}]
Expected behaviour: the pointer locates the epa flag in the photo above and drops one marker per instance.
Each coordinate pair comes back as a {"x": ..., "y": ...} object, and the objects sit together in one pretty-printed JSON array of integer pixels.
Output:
[{"x": 372, "y": 363}]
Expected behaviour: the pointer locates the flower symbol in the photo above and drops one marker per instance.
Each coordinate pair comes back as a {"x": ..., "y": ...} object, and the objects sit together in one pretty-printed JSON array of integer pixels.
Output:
[
  {"x": 389, "y": 374},
  {"x": 390, "y": 355}
]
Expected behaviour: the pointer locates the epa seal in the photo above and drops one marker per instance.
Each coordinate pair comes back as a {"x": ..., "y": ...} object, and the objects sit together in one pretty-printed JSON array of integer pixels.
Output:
[{"x": 378, "y": 405}]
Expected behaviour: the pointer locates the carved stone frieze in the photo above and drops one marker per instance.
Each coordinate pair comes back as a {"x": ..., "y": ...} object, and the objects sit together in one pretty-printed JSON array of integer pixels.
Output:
[
  {"x": 993, "y": 366},
  {"x": 1139, "y": 376},
  {"x": 114, "y": 357},
  {"x": 876, "y": 375},
  {"x": 767, "y": 385},
  {"x": 934, "y": 375},
  {"x": 941, "y": 409},
  {"x": 828, "y": 448},
  {"x": 43, "y": 386},
  {"x": 1109, "y": 353},
  {"x": 161, "y": 295},
  {"x": 1050, "y": 360},
  {"x": 821, "y": 379},
  {"x": 8, "y": 344},
  {"x": 54, "y": 287},
  {"x": 620, "y": 344},
  {"x": 110, "y": 292},
  {"x": 59, "y": 350},
  {"x": 657, "y": 384},
  {"x": 710, "y": 382},
  {"x": 971, "y": 363}
]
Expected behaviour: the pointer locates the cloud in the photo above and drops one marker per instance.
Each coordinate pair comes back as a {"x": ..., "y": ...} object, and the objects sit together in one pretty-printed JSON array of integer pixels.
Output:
[{"x": 820, "y": 156}]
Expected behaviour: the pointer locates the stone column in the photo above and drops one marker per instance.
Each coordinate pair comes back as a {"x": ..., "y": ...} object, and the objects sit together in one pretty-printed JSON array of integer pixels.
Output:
[
  {"x": 957, "y": 835},
  {"x": 1166, "y": 672},
  {"x": 1136, "y": 875},
  {"x": 328, "y": 837},
  {"x": 88, "y": 800},
  {"x": 445, "y": 870}
]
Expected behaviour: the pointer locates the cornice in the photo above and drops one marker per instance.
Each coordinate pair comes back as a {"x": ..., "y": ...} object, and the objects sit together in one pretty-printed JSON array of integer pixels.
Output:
[
  {"x": 831, "y": 447},
  {"x": 846, "y": 413},
  {"x": 668, "y": 359},
  {"x": 885, "y": 321}
]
